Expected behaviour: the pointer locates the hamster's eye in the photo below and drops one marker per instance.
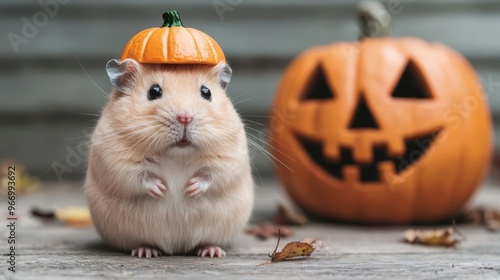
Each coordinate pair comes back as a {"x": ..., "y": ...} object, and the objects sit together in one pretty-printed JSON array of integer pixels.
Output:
[
  {"x": 154, "y": 92},
  {"x": 205, "y": 93}
]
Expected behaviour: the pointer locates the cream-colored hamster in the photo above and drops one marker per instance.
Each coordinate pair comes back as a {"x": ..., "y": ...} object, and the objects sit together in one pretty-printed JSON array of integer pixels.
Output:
[{"x": 169, "y": 170}]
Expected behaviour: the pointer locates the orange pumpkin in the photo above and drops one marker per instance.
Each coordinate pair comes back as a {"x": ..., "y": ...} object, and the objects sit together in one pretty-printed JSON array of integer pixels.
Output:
[
  {"x": 173, "y": 43},
  {"x": 381, "y": 130}
]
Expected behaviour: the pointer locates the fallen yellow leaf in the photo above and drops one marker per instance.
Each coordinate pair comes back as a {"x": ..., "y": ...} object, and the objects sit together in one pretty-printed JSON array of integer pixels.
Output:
[
  {"x": 74, "y": 216},
  {"x": 440, "y": 237}
]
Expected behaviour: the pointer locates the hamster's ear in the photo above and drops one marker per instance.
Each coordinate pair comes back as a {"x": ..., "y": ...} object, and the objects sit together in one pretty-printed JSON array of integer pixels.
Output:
[
  {"x": 224, "y": 72},
  {"x": 121, "y": 73}
]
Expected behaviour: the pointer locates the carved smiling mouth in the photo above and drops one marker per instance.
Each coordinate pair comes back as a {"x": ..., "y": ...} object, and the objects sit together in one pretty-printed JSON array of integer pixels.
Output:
[{"x": 415, "y": 148}]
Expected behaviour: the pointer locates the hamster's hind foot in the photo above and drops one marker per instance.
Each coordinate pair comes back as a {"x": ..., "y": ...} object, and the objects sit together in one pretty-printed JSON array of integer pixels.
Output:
[
  {"x": 146, "y": 252},
  {"x": 211, "y": 251}
]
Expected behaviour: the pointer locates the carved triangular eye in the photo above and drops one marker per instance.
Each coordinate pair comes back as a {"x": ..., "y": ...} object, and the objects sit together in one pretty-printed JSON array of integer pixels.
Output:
[
  {"x": 363, "y": 117},
  {"x": 318, "y": 87},
  {"x": 412, "y": 84}
]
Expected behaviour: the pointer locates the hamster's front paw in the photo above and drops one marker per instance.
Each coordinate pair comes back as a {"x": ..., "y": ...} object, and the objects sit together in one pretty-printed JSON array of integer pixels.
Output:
[
  {"x": 146, "y": 252},
  {"x": 154, "y": 186},
  {"x": 197, "y": 185}
]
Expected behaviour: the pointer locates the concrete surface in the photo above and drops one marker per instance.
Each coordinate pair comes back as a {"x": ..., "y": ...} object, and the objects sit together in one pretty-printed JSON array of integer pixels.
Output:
[{"x": 53, "y": 251}]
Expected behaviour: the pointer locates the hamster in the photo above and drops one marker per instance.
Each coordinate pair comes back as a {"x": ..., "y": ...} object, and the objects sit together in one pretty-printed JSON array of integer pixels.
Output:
[{"x": 169, "y": 170}]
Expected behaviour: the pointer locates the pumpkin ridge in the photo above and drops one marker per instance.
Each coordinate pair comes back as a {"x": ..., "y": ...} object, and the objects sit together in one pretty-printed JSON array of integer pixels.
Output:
[
  {"x": 154, "y": 43},
  {"x": 195, "y": 43},
  {"x": 209, "y": 40},
  {"x": 132, "y": 47},
  {"x": 168, "y": 45},
  {"x": 188, "y": 46},
  {"x": 145, "y": 42},
  {"x": 165, "y": 50}
]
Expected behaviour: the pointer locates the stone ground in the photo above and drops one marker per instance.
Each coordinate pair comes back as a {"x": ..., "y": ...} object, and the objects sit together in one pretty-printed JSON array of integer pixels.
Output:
[{"x": 53, "y": 251}]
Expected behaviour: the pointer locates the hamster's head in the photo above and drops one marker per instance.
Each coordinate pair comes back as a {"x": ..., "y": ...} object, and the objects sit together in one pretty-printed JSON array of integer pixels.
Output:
[{"x": 157, "y": 108}]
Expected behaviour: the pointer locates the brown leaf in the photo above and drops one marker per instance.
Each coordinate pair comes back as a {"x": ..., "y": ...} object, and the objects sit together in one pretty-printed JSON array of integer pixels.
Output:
[
  {"x": 487, "y": 217},
  {"x": 440, "y": 237},
  {"x": 294, "y": 249},
  {"x": 492, "y": 219},
  {"x": 287, "y": 215},
  {"x": 266, "y": 230},
  {"x": 291, "y": 250}
]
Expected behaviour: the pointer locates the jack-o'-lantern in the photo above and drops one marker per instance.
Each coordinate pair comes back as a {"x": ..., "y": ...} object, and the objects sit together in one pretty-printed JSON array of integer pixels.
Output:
[{"x": 382, "y": 130}]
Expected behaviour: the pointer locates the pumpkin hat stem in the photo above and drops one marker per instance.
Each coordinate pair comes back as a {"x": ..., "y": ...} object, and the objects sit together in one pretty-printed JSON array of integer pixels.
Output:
[
  {"x": 374, "y": 18},
  {"x": 171, "y": 18}
]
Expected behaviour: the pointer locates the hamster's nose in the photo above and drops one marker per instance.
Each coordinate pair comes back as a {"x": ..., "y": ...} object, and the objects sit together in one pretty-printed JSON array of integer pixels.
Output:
[{"x": 184, "y": 119}]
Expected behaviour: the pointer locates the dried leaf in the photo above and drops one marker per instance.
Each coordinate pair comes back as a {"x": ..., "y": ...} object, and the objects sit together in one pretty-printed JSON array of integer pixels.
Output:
[
  {"x": 291, "y": 250},
  {"x": 487, "y": 217},
  {"x": 287, "y": 215},
  {"x": 492, "y": 219},
  {"x": 74, "y": 216},
  {"x": 294, "y": 249},
  {"x": 440, "y": 237},
  {"x": 266, "y": 230},
  {"x": 24, "y": 182}
]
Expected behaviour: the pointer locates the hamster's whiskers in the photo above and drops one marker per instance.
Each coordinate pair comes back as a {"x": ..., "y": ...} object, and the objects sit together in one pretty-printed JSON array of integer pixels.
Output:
[
  {"x": 269, "y": 146},
  {"x": 288, "y": 150},
  {"x": 254, "y": 122},
  {"x": 88, "y": 75},
  {"x": 267, "y": 136},
  {"x": 270, "y": 156},
  {"x": 244, "y": 100},
  {"x": 260, "y": 148},
  {"x": 263, "y": 150},
  {"x": 235, "y": 97},
  {"x": 148, "y": 133},
  {"x": 257, "y": 116}
]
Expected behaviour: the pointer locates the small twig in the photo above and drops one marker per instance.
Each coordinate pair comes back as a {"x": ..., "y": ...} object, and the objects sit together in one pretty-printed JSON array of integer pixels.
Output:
[
  {"x": 271, "y": 255},
  {"x": 459, "y": 232},
  {"x": 277, "y": 243}
]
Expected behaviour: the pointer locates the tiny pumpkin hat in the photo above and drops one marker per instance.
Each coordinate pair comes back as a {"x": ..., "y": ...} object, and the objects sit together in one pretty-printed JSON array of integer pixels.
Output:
[{"x": 172, "y": 43}]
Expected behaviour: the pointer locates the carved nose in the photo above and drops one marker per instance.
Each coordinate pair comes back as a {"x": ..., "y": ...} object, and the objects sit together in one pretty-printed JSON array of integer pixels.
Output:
[
  {"x": 184, "y": 119},
  {"x": 363, "y": 117}
]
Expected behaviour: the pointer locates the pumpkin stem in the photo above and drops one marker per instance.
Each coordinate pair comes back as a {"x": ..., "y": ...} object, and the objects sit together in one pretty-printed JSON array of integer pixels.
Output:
[
  {"x": 171, "y": 18},
  {"x": 374, "y": 18}
]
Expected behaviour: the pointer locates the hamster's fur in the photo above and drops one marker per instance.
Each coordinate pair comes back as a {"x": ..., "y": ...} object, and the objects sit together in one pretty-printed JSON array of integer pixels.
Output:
[{"x": 136, "y": 148}]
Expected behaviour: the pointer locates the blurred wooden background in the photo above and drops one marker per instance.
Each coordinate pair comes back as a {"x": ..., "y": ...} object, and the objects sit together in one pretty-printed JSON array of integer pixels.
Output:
[{"x": 49, "y": 87}]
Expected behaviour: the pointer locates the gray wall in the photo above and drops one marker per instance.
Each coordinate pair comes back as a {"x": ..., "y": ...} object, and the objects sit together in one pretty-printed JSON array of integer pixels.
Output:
[{"x": 49, "y": 88}]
